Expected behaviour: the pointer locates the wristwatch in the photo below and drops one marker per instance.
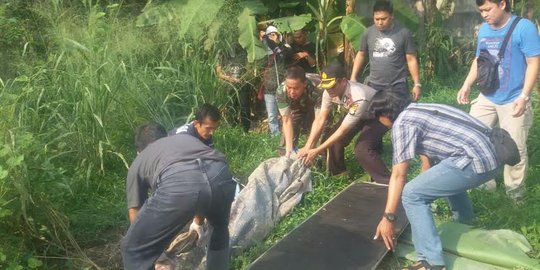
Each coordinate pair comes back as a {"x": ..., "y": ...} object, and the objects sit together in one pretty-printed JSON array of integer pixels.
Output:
[
  {"x": 524, "y": 97},
  {"x": 417, "y": 84},
  {"x": 390, "y": 217}
]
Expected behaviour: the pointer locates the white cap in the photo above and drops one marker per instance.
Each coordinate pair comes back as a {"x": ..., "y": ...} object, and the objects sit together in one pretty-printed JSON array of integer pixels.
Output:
[{"x": 271, "y": 29}]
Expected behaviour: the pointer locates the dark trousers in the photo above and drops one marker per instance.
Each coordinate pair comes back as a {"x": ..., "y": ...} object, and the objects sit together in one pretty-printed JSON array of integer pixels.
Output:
[
  {"x": 244, "y": 99},
  {"x": 242, "y": 105},
  {"x": 368, "y": 148},
  {"x": 183, "y": 190}
]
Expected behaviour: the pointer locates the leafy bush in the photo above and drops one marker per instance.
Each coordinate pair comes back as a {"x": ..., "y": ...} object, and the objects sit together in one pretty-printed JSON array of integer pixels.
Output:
[{"x": 68, "y": 118}]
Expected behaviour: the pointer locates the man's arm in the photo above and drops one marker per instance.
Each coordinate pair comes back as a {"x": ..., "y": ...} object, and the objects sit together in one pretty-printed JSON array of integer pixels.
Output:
[
  {"x": 385, "y": 229},
  {"x": 357, "y": 66},
  {"x": 132, "y": 214},
  {"x": 412, "y": 64},
  {"x": 315, "y": 133},
  {"x": 531, "y": 74},
  {"x": 222, "y": 75},
  {"x": 312, "y": 153},
  {"x": 426, "y": 163},
  {"x": 288, "y": 132},
  {"x": 465, "y": 91}
]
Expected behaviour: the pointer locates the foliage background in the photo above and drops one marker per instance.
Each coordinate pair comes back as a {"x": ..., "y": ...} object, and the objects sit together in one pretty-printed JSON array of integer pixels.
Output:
[{"x": 78, "y": 76}]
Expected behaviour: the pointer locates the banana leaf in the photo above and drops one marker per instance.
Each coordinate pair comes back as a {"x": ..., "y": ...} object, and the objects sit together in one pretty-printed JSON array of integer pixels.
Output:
[
  {"x": 291, "y": 24},
  {"x": 453, "y": 262},
  {"x": 254, "y": 7},
  {"x": 464, "y": 245},
  {"x": 197, "y": 15},
  {"x": 272, "y": 5},
  {"x": 193, "y": 17},
  {"x": 288, "y": 4},
  {"x": 211, "y": 34},
  {"x": 353, "y": 29},
  {"x": 248, "y": 36},
  {"x": 405, "y": 14},
  {"x": 155, "y": 15}
]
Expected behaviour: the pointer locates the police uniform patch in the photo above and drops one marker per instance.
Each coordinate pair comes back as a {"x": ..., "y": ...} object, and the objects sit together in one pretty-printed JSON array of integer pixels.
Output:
[{"x": 353, "y": 109}]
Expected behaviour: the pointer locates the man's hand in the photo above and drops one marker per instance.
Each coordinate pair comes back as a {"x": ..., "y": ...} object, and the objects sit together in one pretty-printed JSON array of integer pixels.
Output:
[
  {"x": 299, "y": 55},
  {"x": 309, "y": 156},
  {"x": 201, "y": 230},
  {"x": 166, "y": 265},
  {"x": 416, "y": 92},
  {"x": 303, "y": 152},
  {"x": 463, "y": 95},
  {"x": 385, "y": 230},
  {"x": 520, "y": 105}
]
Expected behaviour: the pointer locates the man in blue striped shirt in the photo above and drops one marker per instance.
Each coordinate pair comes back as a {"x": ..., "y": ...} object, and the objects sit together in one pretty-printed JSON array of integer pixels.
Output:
[{"x": 465, "y": 158}]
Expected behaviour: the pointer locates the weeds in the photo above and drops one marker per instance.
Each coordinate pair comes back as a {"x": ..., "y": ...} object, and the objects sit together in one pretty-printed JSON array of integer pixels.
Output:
[{"x": 82, "y": 75}]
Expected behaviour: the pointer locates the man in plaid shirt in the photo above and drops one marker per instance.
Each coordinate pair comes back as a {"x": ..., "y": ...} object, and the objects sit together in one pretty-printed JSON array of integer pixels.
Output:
[{"x": 465, "y": 158}]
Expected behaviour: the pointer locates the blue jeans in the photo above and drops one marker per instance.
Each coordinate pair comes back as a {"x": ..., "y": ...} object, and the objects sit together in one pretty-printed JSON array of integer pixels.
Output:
[
  {"x": 183, "y": 190},
  {"x": 272, "y": 112},
  {"x": 443, "y": 180}
]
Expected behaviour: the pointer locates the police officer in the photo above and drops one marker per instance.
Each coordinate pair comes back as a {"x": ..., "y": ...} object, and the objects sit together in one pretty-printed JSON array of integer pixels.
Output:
[{"x": 355, "y": 98}]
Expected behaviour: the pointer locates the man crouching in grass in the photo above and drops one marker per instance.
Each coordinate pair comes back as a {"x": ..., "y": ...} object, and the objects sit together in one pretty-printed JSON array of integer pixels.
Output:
[{"x": 188, "y": 178}]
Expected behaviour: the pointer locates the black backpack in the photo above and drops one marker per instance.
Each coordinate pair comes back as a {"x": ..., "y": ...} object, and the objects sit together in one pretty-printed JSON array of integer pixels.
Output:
[{"x": 487, "y": 78}]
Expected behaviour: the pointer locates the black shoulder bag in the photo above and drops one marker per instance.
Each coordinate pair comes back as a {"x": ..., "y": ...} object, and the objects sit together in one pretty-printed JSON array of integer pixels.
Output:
[
  {"x": 505, "y": 147},
  {"x": 487, "y": 78}
]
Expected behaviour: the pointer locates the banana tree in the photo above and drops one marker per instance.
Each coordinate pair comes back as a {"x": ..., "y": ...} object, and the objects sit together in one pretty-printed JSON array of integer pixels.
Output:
[
  {"x": 326, "y": 15},
  {"x": 351, "y": 26}
]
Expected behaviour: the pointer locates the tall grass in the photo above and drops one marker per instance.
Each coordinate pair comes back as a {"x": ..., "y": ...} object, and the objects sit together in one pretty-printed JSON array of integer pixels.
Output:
[
  {"x": 68, "y": 118},
  {"x": 85, "y": 79}
]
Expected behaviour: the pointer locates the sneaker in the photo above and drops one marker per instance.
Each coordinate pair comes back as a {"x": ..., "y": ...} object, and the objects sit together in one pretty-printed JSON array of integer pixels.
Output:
[{"x": 424, "y": 265}]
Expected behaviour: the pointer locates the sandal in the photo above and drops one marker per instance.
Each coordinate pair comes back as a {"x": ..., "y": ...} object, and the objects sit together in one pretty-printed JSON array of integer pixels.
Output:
[{"x": 424, "y": 265}]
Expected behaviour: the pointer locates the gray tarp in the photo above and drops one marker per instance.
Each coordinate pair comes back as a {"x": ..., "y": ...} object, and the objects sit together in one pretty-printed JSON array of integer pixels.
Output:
[{"x": 272, "y": 190}]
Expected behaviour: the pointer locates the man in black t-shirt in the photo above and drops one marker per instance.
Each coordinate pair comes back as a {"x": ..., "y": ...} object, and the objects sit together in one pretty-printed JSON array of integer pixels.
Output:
[{"x": 303, "y": 52}]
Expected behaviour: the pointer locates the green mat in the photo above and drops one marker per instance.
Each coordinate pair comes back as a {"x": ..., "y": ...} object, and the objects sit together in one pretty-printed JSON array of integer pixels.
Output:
[{"x": 468, "y": 248}]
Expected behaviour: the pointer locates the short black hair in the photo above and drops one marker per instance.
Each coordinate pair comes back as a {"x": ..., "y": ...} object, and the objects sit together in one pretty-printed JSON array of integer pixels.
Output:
[
  {"x": 295, "y": 73},
  {"x": 383, "y": 5},
  {"x": 147, "y": 133},
  {"x": 208, "y": 111},
  {"x": 507, "y": 7},
  {"x": 389, "y": 103}
]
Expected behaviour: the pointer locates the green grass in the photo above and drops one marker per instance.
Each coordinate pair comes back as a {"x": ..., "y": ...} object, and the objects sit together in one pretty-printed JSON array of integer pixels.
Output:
[
  {"x": 72, "y": 97},
  {"x": 493, "y": 210}
]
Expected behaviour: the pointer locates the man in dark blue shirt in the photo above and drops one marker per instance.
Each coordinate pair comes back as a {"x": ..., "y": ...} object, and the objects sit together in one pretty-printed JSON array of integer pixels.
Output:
[
  {"x": 206, "y": 122},
  {"x": 187, "y": 178}
]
